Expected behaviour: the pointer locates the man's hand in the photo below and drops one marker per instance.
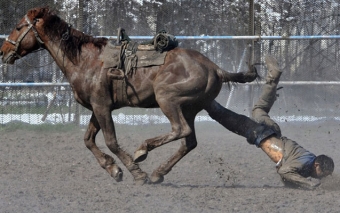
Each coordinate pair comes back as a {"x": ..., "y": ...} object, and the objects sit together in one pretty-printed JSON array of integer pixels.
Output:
[
  {"x": 314, "y": 183},
  {"x": 297, "y": 181}
]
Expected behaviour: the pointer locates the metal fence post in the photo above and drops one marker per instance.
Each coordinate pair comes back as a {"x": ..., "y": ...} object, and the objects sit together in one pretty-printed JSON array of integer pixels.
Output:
[
  {"x": 80, "y": 27},
  {"x": 251, "y": 28}
]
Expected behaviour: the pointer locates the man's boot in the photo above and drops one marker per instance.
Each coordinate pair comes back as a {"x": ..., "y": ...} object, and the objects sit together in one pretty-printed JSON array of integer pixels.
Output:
[
  {"x": 268, "y": 94},
  {"x": 274, "y": 72}
]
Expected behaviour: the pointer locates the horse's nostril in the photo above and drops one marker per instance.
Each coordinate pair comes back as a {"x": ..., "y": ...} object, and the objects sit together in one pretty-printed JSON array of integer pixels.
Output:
[{"x": 1, "y": 53}]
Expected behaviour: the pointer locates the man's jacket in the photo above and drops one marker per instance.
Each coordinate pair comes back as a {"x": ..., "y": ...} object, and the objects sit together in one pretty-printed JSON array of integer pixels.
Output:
[{"x": 296, "y": 165}]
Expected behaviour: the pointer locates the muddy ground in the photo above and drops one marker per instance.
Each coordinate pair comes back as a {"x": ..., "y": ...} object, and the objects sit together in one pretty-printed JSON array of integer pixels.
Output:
[{"x": 52, "y": 171}]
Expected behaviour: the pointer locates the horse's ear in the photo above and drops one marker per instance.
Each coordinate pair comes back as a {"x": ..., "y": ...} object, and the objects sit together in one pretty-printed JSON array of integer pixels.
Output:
[
  {"x": 43, "y": 11},
  {"x": 38, "y": 12}
]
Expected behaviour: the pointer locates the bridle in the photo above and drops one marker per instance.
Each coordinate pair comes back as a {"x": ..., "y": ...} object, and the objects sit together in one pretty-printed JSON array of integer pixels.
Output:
[
  {"x": 14, "y": 53},
  {"x": 21, "y": 37}
]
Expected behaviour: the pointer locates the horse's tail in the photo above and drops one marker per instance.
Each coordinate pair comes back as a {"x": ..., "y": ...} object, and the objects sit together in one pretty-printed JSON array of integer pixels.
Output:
[{"x": 240, "y": 77}]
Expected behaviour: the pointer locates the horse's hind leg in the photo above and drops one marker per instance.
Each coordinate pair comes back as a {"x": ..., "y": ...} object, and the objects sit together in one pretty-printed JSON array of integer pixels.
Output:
[
  {"x": 187, "y": 144},
  {"x": 180, "y": 129},
  {"x": 104, "y": 160}
]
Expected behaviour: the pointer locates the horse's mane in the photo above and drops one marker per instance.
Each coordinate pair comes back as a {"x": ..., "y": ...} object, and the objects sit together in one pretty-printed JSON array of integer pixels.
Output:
[{"x": 71, "y": 40}]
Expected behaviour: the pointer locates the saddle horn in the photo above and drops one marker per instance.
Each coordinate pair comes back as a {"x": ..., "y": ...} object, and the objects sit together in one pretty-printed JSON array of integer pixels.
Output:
[
  {"x": 122, "y": 36},
  {"x": 119, "y": 34}
]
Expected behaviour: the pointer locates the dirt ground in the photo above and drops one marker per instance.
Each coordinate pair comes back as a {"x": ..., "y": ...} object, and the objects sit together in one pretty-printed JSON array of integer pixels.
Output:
[{"x": 54, "y": 172}]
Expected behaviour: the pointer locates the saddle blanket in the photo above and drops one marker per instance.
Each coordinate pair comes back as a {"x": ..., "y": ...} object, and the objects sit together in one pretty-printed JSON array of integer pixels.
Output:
[{"x": 146, "y": 56}]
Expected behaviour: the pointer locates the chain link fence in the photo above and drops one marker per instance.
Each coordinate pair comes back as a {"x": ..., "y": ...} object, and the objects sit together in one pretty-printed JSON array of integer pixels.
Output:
[{"x": 315, "y": 62}]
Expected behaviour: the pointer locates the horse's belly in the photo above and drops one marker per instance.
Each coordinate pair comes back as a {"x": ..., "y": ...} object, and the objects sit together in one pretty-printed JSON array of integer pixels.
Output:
[{"x": 143, "y": 101}]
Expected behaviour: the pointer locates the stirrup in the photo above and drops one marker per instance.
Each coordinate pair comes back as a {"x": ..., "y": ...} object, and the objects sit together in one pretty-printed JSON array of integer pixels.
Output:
[{"x": 116, "y": 74}]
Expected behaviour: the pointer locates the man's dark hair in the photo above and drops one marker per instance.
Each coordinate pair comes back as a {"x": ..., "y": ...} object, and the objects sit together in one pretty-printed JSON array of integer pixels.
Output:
[{"x": 326, "y": 163}]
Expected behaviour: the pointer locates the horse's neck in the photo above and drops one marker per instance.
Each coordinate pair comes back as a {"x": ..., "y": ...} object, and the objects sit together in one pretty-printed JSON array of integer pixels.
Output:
[
  {"x": 58, "y": 55},
  {"x": 64, "y": 63}
]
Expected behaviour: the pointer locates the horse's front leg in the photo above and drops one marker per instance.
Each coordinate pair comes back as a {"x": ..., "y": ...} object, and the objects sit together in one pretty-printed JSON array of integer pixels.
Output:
[
  {"x": 105, "y": 121},
  {"x": 104, "y": 160}
]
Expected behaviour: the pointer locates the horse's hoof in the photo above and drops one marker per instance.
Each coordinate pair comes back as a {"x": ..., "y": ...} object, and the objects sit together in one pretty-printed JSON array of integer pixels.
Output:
[
  {"x": 140, "y": 155},
  {"x": 141, "y": 179},
  {"x": 117, "y": 173},
  {"x": 141, "y": 182},
  {"x": 156, "y": 178}
]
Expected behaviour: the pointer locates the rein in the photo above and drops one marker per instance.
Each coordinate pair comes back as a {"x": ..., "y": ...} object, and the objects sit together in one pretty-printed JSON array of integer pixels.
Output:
[{"x": 20, "y": 57}]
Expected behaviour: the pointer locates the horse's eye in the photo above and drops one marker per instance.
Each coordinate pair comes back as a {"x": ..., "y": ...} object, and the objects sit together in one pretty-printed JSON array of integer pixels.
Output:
[{"x": 20, "y": 26}]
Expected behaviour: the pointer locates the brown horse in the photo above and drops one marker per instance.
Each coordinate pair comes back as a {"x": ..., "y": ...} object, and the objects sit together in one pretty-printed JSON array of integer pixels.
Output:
[{"x": 185, "y": 84}]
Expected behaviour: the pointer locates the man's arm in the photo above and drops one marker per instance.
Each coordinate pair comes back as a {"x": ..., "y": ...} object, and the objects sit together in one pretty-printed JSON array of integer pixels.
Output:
[{"x": 293, "y": 179}]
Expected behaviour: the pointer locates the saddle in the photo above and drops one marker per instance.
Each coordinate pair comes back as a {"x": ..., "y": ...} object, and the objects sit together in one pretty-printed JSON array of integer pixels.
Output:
[{"x": 123, "y": 57}]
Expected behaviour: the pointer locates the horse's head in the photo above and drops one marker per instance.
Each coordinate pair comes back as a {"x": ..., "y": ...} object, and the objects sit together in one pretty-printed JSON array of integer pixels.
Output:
[{"x": 25, "y": 37}]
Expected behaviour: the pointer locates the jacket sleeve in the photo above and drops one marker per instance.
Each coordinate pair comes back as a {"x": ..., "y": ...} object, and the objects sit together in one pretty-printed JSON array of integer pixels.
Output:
[{"x": 292, "y": 179}]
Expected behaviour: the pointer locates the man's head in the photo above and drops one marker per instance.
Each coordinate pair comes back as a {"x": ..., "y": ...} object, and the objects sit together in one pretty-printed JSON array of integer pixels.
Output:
[{"x": 323, "y": 166}]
